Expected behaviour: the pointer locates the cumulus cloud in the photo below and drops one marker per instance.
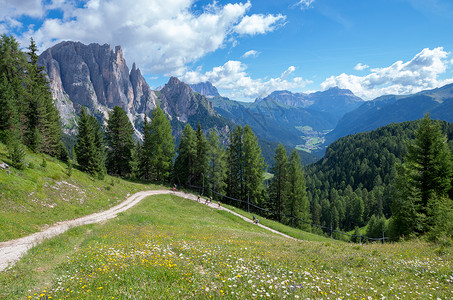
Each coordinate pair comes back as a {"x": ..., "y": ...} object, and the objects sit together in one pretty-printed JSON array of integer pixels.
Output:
[
  {"x": 250, "y": 53},
  {"x": 162, "y": 37},
  {"x": 16, "y": 8},
  {"x": 305, "y": 4},
  {"x": 361, "y": 67},
  {"x": 234, "y": 81},
  {"x": 259, "y": 24},
  {"x": 420, "y": 73}
]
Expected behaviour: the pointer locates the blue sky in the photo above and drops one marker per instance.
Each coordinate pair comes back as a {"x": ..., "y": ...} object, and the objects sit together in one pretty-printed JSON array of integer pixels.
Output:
[{"x": 248, "y": 49}]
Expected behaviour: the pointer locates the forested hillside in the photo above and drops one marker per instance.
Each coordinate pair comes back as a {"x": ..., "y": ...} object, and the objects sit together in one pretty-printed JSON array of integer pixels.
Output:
[{"x": 355, "y": 179}]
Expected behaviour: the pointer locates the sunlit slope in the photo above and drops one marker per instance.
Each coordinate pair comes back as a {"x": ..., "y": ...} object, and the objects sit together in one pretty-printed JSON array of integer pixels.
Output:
[
  {"x": 167, "y": 247},
  {"x": 47, "y": 191}
]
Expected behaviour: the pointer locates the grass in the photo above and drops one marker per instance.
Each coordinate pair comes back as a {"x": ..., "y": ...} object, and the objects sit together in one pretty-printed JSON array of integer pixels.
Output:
[
  {"x": 171, "y": 248},
  {"x": 36, "y": 197},
  {"x": 293, "y": 232}
]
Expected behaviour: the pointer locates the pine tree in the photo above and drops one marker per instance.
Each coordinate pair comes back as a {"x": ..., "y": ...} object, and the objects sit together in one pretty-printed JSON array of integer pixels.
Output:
[
  {"x": 119, "y": 133},
  {"x": 184, "y": 168},
  {"x": 216, "y": 173},
  {"x": 297, "y": 204},
  {"x": 144, "y": 153},
  {"x": 254, "y": 168},
  {"x": 88, "y": 148},
  {"x": 13, "y": 65},
  {"x": 279, "y": 186},
  {"x": 8, "y": 112},
  {"x": 162, "y": 146},
  {"x": 43, "y": 128},
  {"x": 201, "y": 165},
  {"x": 235, "y": 160},
  {"x": 423, "y": 179}
]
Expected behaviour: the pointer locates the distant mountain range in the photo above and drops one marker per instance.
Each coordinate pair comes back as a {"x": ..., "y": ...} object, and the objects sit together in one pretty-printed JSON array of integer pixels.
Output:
[
  {"x": 294, "y": 119},
  {"x": 393, "y": 109},
  {"x": 97, "y": 77}
]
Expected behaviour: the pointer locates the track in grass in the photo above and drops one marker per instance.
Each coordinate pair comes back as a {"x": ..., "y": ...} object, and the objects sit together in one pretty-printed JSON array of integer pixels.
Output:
[{"x": 12, "y": 251}]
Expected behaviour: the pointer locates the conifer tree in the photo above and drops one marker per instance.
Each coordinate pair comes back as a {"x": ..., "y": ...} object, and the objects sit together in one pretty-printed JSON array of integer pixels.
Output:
[
  {"x": 254, "y": 168},
  {"x": 88, "y": 148},
  {"x": 162, "y": 146},
  {"x": 8, "y": 112},
  {"x": 423, "y": 180},
  {"x": 235, "y": 160},
  {"x": 119, "y": 133},
  {"x": 201, "y": 165},
  {"x": 279, "y": 186},
  {"x": 13, "y": 65},
  {"x": 184, "y": 168},
  {"x": 144, "y": 153},
  {"x": 216, "y": 172},
  {"x": 297, "y": 204},
  {"x": 43, "y": 128}
]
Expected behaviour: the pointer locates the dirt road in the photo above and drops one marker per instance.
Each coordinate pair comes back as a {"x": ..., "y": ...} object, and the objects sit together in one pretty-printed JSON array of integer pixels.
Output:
[{"x": 12, "y": 251}]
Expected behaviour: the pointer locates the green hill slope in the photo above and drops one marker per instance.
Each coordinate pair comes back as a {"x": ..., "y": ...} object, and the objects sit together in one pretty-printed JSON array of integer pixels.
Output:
[
  {"x": 172, "y": 248},
  {"x": 44, "y": 193}
]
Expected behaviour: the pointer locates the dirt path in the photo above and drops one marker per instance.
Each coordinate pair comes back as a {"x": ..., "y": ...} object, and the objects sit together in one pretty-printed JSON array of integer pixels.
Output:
[{"x": 12, "y": 251}]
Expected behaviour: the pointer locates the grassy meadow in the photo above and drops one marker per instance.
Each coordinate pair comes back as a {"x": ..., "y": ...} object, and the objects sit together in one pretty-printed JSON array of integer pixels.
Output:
[
  {"x": 171, "y": 248},
  {"x": 45, "y": 193}
]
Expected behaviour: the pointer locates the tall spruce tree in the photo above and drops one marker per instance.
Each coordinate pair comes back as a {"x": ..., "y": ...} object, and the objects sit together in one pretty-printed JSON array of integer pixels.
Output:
[
  {"x": 279, "y": 185},
  {"x": 423, "y": 179},
  {"x": 89, "y": 148},
  {"x": 119, "y": 133},
  {"x": 254, "y": 168},
  {"x": 8, "y": 112},
  {"x": 201, "y": 165},
  {"x": 162, "y": 146},
  {"x": 13, "y": 64},
  {"x": 297, "y": 204},
  {"x": 43, "y": 128},
  {"x": 184, "y": 168},
  {"x": 144, "y": 153},
  {"x": 235, "y": 160},
  {"x": 216, "y": 172}
]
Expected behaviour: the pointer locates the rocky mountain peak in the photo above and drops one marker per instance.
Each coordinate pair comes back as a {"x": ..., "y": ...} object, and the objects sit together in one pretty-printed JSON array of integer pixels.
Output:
[
  {"x": 205, "y": 88},
  {"x": 96, "y": 77},
  {"x": 178, "y": 99}
]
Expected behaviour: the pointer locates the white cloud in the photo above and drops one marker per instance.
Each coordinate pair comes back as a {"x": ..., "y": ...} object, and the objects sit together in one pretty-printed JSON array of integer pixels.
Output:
[
  {"x": 305, "y": 4},
  {"x": 235, "y": 83},
  {"x": 259, "y": 24},
  {"x": 250, "y": 53},
  {"x": 162, "y": 37},
  {"x": 17, "y": 8},
  {"x": 420, "y": 73},
  {"x": 361, "y": 67}
]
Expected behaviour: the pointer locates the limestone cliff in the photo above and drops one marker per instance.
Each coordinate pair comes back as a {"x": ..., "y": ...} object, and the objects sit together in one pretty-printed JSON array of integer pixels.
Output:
[{"x": 96, "y": 77}]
